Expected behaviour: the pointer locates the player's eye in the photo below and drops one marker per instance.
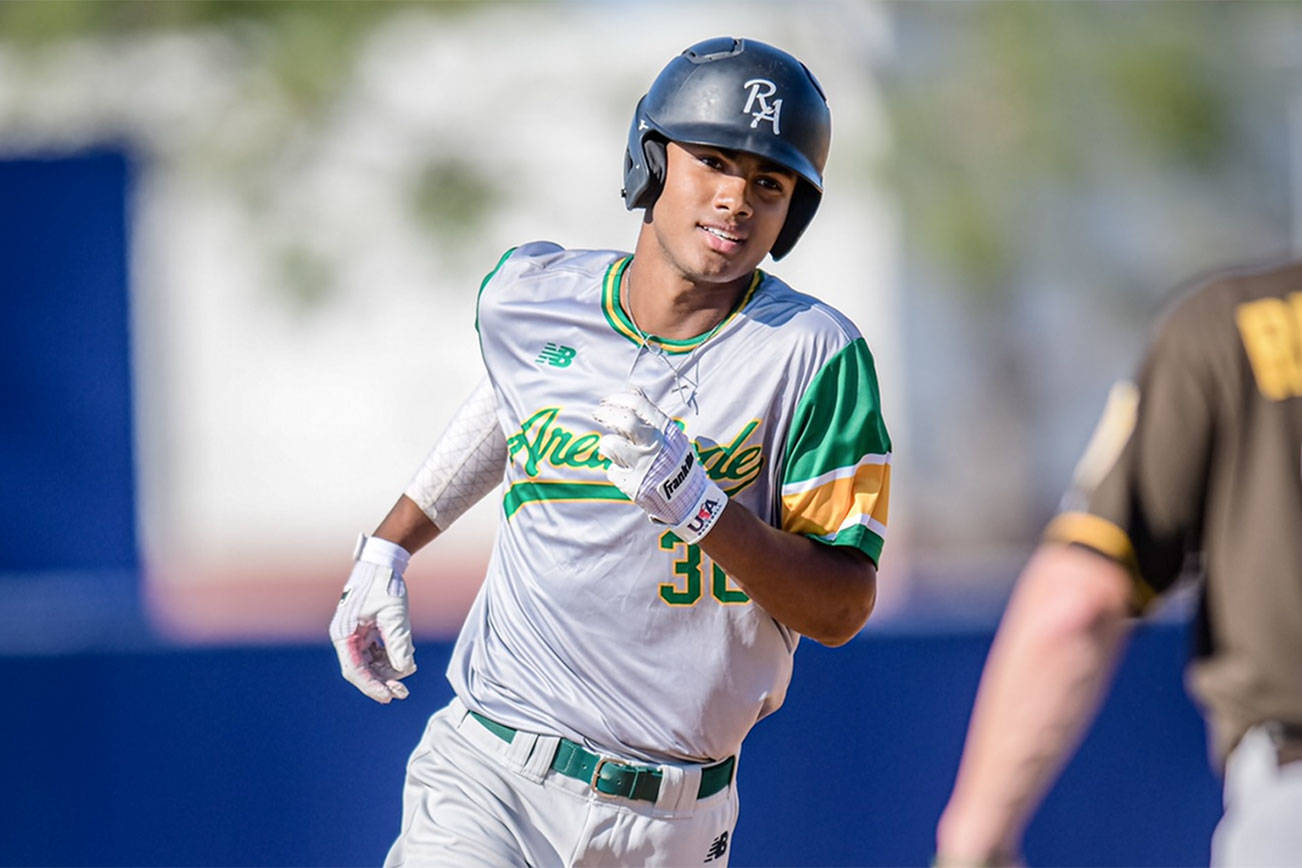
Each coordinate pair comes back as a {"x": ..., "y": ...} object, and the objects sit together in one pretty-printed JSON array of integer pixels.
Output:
[{"x": 773, "y": 183}]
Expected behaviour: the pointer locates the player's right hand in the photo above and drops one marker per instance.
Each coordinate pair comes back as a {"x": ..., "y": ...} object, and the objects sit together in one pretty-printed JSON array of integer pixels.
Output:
[
  {"x": 371, "y": 629},
  {"x": 655, "y": 465}
]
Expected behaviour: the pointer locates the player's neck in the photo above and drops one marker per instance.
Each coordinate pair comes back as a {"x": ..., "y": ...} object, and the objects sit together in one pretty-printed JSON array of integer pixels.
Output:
[{"x": 664, "y": 302}]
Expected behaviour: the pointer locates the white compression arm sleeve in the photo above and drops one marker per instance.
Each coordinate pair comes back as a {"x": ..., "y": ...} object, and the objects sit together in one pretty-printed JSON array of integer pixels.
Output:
[{"x": 465, "y": 464}]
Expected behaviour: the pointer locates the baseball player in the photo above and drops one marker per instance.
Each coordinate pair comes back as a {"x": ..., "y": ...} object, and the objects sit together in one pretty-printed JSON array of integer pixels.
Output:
[
  {"x": 696, "y": 473},
  {"x": 1202, "y": 455}
]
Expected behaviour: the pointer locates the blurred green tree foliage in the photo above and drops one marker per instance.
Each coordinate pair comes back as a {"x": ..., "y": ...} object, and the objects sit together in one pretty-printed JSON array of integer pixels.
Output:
[
  {"x": 996, "y": 107},
  {"x": 311, "y": 45},
  {"x": 308, "y": 51}
]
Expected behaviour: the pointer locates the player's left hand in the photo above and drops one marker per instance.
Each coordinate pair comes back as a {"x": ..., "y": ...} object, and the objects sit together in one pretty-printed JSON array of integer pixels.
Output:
[
  {"x": 653, "y": 462},
  {"x": 371, "y": 629}
]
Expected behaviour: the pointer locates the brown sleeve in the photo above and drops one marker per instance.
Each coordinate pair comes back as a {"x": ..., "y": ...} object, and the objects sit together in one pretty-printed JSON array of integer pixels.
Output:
[{"x": 1143, "y": 506}]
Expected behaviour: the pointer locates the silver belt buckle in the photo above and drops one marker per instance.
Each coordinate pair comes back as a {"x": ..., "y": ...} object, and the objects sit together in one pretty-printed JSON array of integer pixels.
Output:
[{"x": 596, "y": 775}]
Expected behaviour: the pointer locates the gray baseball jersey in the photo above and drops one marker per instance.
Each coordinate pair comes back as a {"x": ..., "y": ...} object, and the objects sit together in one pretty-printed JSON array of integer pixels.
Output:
[{"x": 596, "y": 624}]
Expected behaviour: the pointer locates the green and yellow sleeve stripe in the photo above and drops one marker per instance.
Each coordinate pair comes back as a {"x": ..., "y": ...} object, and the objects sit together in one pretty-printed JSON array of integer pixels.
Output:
[
  {"x": 837, "y": 476},
  {"x": 841, "y": 502}
]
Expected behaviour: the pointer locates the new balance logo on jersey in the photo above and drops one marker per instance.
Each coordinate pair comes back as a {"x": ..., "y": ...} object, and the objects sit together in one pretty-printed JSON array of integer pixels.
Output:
[
  {"x": 718, "y": 847},
  {"x": 760, "y": 91},
  {"x": 671, "y": 484},
  {"x": 703, "y": 516},
  {"x": 556, "y": 355}
]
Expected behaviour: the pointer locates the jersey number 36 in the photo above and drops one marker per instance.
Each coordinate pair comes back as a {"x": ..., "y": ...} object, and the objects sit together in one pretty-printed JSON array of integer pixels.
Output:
[{"x": 690, "y": 566}]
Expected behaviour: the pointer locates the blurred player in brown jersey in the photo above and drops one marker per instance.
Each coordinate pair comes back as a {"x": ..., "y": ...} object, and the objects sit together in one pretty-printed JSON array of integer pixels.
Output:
[{"x": 1203, "y": 455}]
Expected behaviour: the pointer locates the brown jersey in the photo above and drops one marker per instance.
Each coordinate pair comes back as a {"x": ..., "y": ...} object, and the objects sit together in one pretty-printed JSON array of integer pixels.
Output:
[{"x": 1203, "y": 455}]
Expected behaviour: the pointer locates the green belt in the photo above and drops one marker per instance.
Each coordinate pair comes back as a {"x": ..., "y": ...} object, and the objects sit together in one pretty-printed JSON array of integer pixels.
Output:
[{"x": 612, "y": 777}]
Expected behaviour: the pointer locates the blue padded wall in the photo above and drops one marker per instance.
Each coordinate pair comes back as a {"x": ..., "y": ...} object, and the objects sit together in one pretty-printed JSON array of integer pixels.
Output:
[
  {"x": 68, "y": 550},
  {"x": 266, "y": 757},
  {"x": 66, "y": 431}
]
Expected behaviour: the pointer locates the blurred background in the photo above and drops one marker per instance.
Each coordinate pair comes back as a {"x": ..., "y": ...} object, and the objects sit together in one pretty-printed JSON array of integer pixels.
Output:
[{"x": 239, "y": 250}]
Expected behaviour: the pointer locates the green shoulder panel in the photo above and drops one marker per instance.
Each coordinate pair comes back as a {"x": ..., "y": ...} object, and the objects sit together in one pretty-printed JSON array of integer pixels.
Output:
[{"x": 838, "y": 420}]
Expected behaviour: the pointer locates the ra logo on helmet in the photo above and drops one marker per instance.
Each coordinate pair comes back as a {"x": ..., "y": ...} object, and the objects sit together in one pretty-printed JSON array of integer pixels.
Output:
[{"x": 760, "y": 90}]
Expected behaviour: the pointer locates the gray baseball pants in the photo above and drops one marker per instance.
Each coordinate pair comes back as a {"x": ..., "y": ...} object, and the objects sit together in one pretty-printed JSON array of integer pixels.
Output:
[
  {"x": 472, "y": 799},
  {"x": 1262, "y": 825}
]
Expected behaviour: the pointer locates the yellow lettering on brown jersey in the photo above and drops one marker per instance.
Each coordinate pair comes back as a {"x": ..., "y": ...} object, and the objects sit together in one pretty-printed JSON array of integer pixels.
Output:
[{"x": 1271, "y": 329}]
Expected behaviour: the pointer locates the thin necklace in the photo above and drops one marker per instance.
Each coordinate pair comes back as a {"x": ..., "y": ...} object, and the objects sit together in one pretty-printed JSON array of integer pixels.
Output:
[{"x": 685, "y": 384}]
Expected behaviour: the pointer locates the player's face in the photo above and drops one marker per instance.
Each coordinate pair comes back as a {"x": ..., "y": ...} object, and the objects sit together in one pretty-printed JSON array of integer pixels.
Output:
[{"x": 720, "y": 211}]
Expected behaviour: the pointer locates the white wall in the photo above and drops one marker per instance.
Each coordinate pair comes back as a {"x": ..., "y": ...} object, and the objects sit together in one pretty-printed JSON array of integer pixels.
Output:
[{"x": 272, "y": 430}]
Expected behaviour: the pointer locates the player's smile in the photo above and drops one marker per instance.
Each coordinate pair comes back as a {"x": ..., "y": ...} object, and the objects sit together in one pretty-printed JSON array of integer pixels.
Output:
[{"x": 724, "y": 240}]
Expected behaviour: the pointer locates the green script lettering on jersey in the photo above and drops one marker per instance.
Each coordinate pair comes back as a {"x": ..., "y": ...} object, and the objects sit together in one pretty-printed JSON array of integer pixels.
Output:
[
  {"x": 734, "y": 465},
  {"x": 731, "y": 463},
  {"x": 543, "y": 441}
]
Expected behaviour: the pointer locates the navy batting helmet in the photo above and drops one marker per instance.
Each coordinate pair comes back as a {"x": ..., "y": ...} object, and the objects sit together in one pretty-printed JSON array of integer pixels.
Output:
[{"x": 741, "y": 95}]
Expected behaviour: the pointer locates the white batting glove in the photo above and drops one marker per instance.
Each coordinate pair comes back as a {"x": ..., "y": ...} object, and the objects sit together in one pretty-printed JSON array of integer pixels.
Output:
[
  {"x": 653, "y": 462},
  {"x": 371, "y": 629}
]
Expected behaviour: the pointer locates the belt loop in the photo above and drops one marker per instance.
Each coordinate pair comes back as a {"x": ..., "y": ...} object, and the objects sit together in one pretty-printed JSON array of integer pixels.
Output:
[
  {"x": 539, "y": 761},
  {"x": 518, "y": 751},
  {"x": 678, "y": 786},
  {"x": 458, "y": 710},
  {"x": 475, "y": 732}
]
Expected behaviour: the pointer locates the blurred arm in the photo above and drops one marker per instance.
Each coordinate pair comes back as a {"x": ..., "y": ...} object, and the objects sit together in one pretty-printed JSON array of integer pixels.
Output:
[{"x": 1048, "y": 669}]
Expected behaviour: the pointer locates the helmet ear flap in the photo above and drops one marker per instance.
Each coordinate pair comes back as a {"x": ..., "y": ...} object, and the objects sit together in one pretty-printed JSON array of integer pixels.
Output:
[
  {"x": 804, "y": 202},
  {"x": 654, "y": 157}
]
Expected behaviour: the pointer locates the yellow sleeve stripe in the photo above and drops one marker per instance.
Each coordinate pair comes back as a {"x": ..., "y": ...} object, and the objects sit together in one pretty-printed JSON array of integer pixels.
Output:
[
  {"x": 839, "y": 473},
  {"x": 841, "y": 502},
  {"x": 854, "y": 521},
  {"x": 1105, "y": 537}
]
